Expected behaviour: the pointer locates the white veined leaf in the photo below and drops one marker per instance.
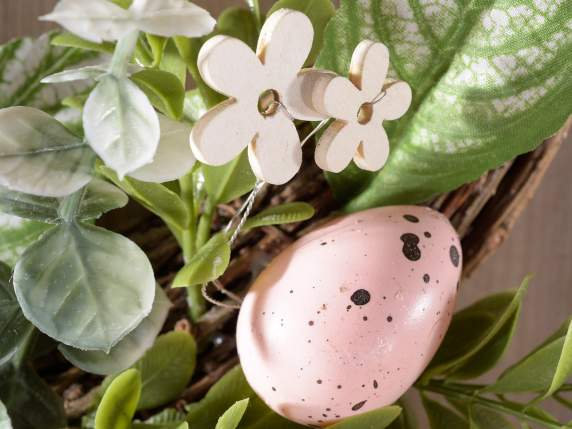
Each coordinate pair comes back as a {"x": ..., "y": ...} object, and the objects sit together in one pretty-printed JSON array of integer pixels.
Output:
[
  {"x": 93, "y": 20},
  {"x": 88, "y": 72},
  {"x": 129, "y": 349},
  {"x": 16, "y": 234},
  {"x": 171, "y": 18},
  {"x": 121, "y": 125},
  {"x": 173, "y": 158},
  {"x": 101, "y": 197},
  {"x": 84, "y": 286},
  {"x": 39, "y": 156}
]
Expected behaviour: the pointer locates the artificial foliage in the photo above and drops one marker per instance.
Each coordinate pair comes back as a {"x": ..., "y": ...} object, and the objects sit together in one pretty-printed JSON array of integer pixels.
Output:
[{"x": 95, "y": 117}]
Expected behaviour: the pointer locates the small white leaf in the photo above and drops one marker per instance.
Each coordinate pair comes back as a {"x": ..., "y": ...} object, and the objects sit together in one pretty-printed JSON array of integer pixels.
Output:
[
  {"x": 39, "y": 156},
  {"x": 172, "y": 18},
  {"x": 121, "y": 125},
  {"x": 93, "y": 20},
  {"x": 89, "y": 72},
  {"x": 174, "y": 157}
]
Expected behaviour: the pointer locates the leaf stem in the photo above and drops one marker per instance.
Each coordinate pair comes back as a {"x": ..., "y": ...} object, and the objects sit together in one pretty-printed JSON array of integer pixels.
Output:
[
  {"x": 463, "y": 393},
  {"x": 205, "y": 223},
  {"x": 69, "y": 206},
  {"x": 122, "y": 54},
  {"x": 189, "y": 234},
  {"x": 257, "y": 11}
]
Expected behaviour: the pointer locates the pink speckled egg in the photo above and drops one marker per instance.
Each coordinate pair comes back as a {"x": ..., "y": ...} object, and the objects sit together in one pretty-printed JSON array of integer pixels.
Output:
[{"x": 347, "y": 318}]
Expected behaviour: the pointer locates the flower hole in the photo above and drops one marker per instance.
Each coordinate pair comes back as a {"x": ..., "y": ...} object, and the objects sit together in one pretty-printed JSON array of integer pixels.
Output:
[
  {"x": 365, "y": 113},
  {"x": 268, "y": 102}
]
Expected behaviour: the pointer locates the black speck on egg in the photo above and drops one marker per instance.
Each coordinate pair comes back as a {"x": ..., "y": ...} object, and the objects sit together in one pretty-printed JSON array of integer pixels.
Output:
[
  {"x": 427, "y": 234},
  {"x": 410, "y": 246},
  {"x": 411, "y": 218},
  {"x": 375, "y": 384},
  {"x": 389, "y": 319},
  {"x": 454, "y": 254},
  {"x": 361, "y": 297},
  {"x": 426, "y": 278},
  {"x": 358, "y": 406}
]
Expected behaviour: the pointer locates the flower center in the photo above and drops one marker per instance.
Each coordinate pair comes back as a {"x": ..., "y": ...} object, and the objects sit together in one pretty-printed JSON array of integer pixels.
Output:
[
  {"x": 268, "y": 102},
  {"x": 365, "y": 113}
]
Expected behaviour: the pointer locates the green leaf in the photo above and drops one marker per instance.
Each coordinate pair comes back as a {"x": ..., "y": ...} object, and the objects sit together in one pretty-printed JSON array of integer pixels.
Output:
[
  {"x": 100, "y": 197},
  {"x": 442, "y": 417},
  {"x": 157, "y": 45},
  {"x": 31, "y": 403},
  {"x": 70, "y": 40},
  {"x": 485, "y": 77},
  {"x": 129, "y": 349},
  {"x": 5, "y": 422},
  {"x": 485, "y": 418},
  {"x": 239, "y": 23},
  {"x": 157, "y": 198},
  {"x": 282, "y": 214},
  {"x": 173, "y": 63},
  {"x": 232, "y": 417},
  {"x": 377, "y": 419},
  {"x": 118, "y": 405},
  {"x": 164, "y": 89},
  {"x": 208, "y": 264},
  {"x": 478, "y": 329},
  {"x": 544, "y": 370},
  {"x": 84, "y": 286},
  {"x": 39, "y": 156},
  {"x": 230, "y": 181},
  {"x": 13, "y": 324},
  {"x": 16, "y": 235},
  {"x": 121, "y": 125},
  {"x": 194, "y": 106},
  {"x": 320, "y": 13},
  {"x": 166, "y": 369}
]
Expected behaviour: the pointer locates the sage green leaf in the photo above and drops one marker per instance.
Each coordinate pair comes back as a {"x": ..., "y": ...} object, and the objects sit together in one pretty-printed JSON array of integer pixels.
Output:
[
  {"x": 119, "y": 403},
  {"x": 173, "y": 63},
  {"x": 16, "y": 235},
  {"x": 232, "y": 417},
  {"x": 319, "y": 11},
  {"x": 239, "y": 23},
  {"x": 100, "y": 197},
  {"x": 442, "y": 417},
  {"x": 230, "y": 181},
  {"x": 31, "y": 403},
  {"x": 486, "y": 78},
  {"x": 72, "y": 75},
  {"x": 475, "y": 328},
  {"x": 545, "y": 370},
  {"x": 485, "y": 418},
  {"x": 5, "y": 422},
  {"x": 227, "y": 391},
  {"x": 169, "y": 418},
  {"x": 208, "y": 264},
  {"x": 129, "y": 349},
  {"x": 84, "y": 286},
  {"x": 164, "y": 89},
  {"x": 121, "y": 125},
  {"x": 194, "y": 107},
  {"x": 166, "y": 369},
  {"x": 377, "y": 419},
  {"x": 282, "y": 214},
  {"x": 157, "y": 198},
  {"x": 13, "y": 324},
  {"x": 70, "y": 40},
  {"x": 39, "y": 156}
]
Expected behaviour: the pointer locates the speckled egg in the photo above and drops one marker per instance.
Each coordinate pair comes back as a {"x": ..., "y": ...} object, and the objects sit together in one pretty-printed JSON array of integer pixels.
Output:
[{"x": 347, "y": 318}]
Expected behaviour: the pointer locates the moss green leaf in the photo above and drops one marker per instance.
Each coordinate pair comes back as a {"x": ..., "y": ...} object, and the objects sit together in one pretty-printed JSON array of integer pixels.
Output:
[
  {"x": 230, "y": 181},
  {"x": 208, "y": 264},
  {"x": 118, "y": 405},
  {"x": 442, "y": 417},
  {"x": 485, "y": 418},
  {"x": 164, "y": 89},
  {"x": 282, "y": 214},
  {"x": 487, "y": 77},
  {"x": 232, "y": 417},
  {"x": 239, "y": 23},
  {"x": 377, "y": 419}
]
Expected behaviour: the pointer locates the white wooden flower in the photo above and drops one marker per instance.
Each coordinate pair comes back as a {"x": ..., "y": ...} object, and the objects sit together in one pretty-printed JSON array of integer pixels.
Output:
[
  {"x": 99, "y": 20},
  {"x": 359, "y": 104},
  {"x": 265, "y": 95}
]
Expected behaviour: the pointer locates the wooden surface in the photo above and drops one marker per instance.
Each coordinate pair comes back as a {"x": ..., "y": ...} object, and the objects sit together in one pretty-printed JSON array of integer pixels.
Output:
[{"x": 541, "y": 242}]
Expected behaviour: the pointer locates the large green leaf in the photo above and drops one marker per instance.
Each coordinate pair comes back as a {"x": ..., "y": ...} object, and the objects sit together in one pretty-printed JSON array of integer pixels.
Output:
[
  {"x": 164, "y": 89},
  {"x": 16, "y": 235},
  {"x": 31, "y": 403},
  {"x": 5, "y": 422},
  {"x": 442, "y": 417},
  {"x": 129, "y": 349},
  {"x": 377, "y": 419},
  {"x": 239, "y": 23},
  {"x": 166, "y": 369},
  {"x": 232, "y": 417},
  {"x": 84, "y": 286},
  {"x": 118, "y": 405},
  {"x": 230, "y": 181},
  {"x": 488, "y": 79}
]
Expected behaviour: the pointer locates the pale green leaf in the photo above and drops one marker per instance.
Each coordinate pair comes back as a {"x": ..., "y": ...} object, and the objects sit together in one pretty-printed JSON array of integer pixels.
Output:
[
  {"x": 84, "y": 286},
  {"x": 31, "y": 403},
  {"x": 319, "y": 11},
  {"x": 208, "y": 264},
  {"x": 5, "y": 422},
  {"x": 166, "y": 369},
  {"x": 100, "y": 197},
  {"x": 72, "y": 75},
  {"x": 239, "y": 23},
  {"x": 157, "y": 45},
  {"x": 16, "y": 235},
  {"x": 39, "y": 156},
  {"x": 118, "y": 405},
  {"x": 442, "y": 417},
  {"x": 230, "y": 181},
  {"x": 487, "y": 78},
  {"x": 377, "y": 419},
  {"x": 232, "y": 417},
  {"x": 194, "y": 107},
  {"x": 121, "y": 125},
  {"x": 164, "y": 90},
  {"x": 282, "y": 214},
  {"x": 129, "y": 349},
  {"x": 70, "y": 40}
]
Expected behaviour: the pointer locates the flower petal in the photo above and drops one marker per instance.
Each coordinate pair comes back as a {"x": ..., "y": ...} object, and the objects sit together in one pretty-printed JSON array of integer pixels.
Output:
[
  {"x": 373, "y": 151},
  {"x": 229, "y": 66},
  {"x": 299, "y": 96},
  {"x": 369, "y": 66},
  {"x": 396, "y": 101},
  {"x": 337, "y": 146},
  {"x": 275, "y": 154},
  {"x": 339, "y": 98},
  {"x": 223, "y": 132}
]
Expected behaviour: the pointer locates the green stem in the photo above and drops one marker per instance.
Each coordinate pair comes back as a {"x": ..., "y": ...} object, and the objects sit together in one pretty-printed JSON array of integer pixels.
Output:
[
  {"x": 461, "y": 393},
  {"x": 70, "y": 205},
  {"x": 205, "y": 223},
  {"x": 257, "y": 11},
  {"x": 123, "y": 53},
  {"x": 189, "y": 234}
]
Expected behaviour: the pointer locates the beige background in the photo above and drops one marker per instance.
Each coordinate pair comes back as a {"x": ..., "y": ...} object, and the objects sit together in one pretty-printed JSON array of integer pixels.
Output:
[{"x": 541, "y": 242}]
